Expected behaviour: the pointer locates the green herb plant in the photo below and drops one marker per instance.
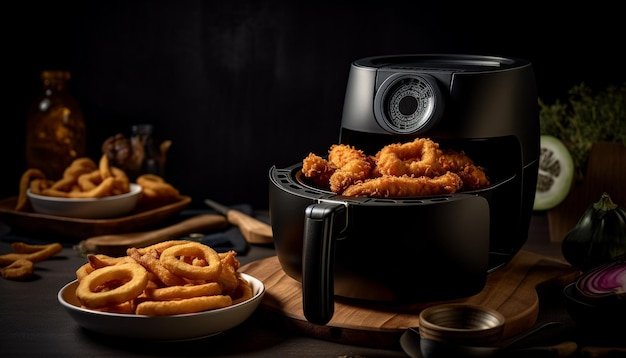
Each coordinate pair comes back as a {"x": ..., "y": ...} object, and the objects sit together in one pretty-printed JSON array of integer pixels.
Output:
[{"x": 586, "y": 118}]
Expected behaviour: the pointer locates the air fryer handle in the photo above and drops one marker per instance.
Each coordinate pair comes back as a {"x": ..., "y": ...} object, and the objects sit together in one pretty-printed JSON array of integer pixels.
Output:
[{"x": 323, "y": 222}]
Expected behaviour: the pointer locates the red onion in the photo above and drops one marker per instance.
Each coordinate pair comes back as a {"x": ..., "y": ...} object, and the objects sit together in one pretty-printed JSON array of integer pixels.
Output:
[{"x": 605, "y": 280}]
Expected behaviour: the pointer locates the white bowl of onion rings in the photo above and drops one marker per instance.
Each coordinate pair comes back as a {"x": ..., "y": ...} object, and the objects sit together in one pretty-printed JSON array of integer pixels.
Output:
[
  {"x": 86, "y": 208},
  {"x": 162, "y": 328}
]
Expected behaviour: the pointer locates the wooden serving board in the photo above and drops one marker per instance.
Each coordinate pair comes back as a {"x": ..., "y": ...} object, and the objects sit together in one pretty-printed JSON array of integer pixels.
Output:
[
  {"x": 512, "y": 290},
  {"x": 76, "y": 229}
]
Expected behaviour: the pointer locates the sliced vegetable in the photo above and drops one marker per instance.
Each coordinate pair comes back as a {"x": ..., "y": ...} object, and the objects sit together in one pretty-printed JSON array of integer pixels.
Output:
[
  {"x": 598, "y": 237},
  {"x": 556, "y": 173},
  {"x": 605, "y": 280}
]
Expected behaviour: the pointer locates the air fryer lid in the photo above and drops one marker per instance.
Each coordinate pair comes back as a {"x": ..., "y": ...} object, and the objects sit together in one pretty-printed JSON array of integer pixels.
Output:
[
  {"x": 443, "y": 62},
  {"x": 441, "y": 96}
]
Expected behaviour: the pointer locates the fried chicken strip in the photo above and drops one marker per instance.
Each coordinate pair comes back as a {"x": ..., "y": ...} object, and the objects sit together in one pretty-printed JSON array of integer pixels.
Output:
[{"x": 389, "y": 186}]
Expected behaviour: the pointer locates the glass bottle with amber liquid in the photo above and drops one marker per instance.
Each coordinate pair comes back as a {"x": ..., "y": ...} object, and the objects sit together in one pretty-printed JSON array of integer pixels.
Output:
[{"x": 55, "y": 128}]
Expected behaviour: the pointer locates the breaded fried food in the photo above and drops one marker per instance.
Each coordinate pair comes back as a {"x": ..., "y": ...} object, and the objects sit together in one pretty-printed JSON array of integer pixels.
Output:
[{"x": 389, "y": 186}]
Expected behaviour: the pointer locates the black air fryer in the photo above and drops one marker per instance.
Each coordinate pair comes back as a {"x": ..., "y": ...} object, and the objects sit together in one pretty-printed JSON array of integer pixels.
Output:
[{"x": 485, "y": 106}]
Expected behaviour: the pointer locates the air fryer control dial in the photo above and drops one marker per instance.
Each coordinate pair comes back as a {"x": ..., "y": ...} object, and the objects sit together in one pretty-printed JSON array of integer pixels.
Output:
[{"x": 407, "y": 103}]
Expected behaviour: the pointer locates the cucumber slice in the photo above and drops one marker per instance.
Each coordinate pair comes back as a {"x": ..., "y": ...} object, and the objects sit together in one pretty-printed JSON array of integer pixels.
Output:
[{"x": 556, "y": 173}]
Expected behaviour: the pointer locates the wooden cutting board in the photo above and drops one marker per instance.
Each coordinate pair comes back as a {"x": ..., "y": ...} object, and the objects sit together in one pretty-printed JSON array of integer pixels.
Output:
[{"x": 512, "y": 290}]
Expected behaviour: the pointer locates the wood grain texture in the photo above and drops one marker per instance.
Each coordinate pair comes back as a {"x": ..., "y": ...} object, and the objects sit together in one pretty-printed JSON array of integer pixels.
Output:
[
  {"x": 116, "y": 244},
  {"x": 606, "y": 172},
  {"x": 76, "y": 229},
  {"x": 512, "y": 290}
]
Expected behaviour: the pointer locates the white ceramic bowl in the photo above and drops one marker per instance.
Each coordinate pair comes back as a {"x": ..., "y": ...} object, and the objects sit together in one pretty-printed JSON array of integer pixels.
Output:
[
  {"x": 162, "y": 328},
  {"x": 86, "y": 208}
]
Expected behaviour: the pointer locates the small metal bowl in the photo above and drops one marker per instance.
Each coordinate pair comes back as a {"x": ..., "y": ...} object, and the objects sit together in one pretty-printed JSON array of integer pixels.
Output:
[{"x": 462, "y": 324}]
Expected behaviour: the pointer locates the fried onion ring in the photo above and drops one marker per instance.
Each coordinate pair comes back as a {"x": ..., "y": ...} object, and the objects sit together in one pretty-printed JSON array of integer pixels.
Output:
[
  {"x": 84, "y": 270},
  {"x": 34, "y": 253},
  {"x": 104, "y": 167},
  {"x": 98, "y": 261},
  {"x": 27, "y": 177},
  {"x": 122, "y": 283},
  {"x": 162, "y": 292},
  {"x": 19, "y": 269},
  {"x": 186, "y": 305},
  {"x": 170, "y": 258},
  {"x": 160, "y": 246},
  {"x": 420, "y": 165},
  {"x": 89, "y": 181},
  {"x": 187, "y": 291},
  {"x": 151, "y": 262},
  {"x": 37, "y": 186},
  {"x": 156, "y": 191},
  {"x": 416, "y": 158}
]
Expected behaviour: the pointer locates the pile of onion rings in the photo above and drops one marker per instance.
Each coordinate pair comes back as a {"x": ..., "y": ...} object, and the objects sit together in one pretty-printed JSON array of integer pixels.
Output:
[
  {"x": 84, "y": 179},
  {"x": 168, "y": 278},
  {"x": 20, "y": 264},
  {"x": 416, "y": 168},
  {"x": 81, "y": 179}
]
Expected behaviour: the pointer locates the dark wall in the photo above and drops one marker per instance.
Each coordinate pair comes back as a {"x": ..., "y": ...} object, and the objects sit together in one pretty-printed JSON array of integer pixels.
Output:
[{"x": 239, "y": 86}]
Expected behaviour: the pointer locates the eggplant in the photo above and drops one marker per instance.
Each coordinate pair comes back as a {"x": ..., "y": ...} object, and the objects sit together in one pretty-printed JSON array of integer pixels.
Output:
[{"x": 598, "y": 237}]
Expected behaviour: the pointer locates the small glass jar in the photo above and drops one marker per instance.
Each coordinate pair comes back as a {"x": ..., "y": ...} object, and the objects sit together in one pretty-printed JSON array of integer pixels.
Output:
[{"x": 55, "y": 127}]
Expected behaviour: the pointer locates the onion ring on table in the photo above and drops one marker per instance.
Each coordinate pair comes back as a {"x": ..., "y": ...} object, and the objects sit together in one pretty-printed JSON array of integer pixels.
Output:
[
  {"x": 170, "y": 258},
  {"x": 155, "y": 186},
  {"x": 19, "y": 269},
  {"x": 186, "y": 291},
  {"x": 24, "y": 248},
  {"x": 182, "y": 306},
  {"x": 352, "y": 166},
  {"x": 27, "y": 177},
  {"x": 416, "y": 158},
  {"x": 151, "y": 262},
  {"x": 123, "y": 283},
  {"x": 243, "y": 291},
  {"x": 389, "y": 186},
  {"x": 43, "y": 252}
]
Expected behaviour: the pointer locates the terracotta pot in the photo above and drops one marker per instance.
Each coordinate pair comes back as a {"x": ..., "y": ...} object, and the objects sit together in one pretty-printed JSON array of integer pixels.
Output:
[{"x": 606, "y": 172}]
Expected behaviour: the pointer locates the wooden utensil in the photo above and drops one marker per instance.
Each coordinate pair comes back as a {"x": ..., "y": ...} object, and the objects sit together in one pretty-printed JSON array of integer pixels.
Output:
[
  {"x": 253, "y": 230},
  {"x": 116, "y": 245}
]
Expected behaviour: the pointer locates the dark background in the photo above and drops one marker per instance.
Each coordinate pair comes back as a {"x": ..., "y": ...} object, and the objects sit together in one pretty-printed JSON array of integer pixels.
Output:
[{"x": 239, "y": 86}]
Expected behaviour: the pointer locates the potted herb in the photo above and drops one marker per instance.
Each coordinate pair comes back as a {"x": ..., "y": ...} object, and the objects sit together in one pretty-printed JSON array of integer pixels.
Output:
[{"x": 593, "y": 128}]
